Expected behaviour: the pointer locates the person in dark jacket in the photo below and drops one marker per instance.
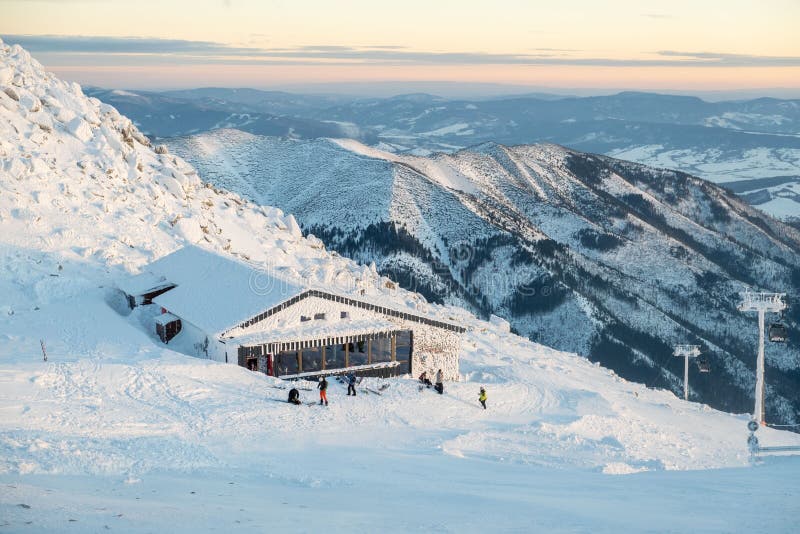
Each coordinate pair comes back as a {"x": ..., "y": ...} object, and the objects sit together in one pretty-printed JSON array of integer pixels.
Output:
[
  {"x": 323, "y": 390},
  {"x": 425, "y": 380},
  {"x": 439, "y": 382},
  {"x": 351, "y": 384},
  {"x": 294, "y": 396}
]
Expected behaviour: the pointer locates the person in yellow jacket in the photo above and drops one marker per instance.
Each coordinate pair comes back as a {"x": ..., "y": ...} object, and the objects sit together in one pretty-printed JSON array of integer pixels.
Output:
[{"x": 482, "y": 398}]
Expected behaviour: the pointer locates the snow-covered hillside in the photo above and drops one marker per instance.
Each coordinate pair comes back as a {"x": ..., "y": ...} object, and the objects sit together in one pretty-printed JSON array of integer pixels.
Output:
[
  {"x": 753, "y": 140},
  {"x": 584, "y": 253},
  {"x": 84, "y": 200}
]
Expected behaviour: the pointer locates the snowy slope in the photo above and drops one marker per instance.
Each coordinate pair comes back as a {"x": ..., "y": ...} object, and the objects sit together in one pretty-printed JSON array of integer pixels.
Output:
[
  {"x": 84, "y": 199},
  {"x": 584, "y": 253}
]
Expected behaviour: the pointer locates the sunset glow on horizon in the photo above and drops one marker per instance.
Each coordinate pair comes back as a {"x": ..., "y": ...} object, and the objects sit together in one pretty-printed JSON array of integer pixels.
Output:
[{"x": 656, "y": 45}]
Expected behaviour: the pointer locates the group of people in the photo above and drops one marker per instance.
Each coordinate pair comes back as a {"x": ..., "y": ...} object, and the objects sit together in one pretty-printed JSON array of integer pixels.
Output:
[
  {"x": 439, "y": 386},
  {"x": 322, "y": 386}
]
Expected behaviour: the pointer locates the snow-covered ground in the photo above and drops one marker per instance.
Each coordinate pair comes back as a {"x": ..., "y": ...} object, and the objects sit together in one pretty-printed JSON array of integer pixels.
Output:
[
  {"x": 117, "y": 432},
  {"x": 722, "y": 168},
  {"x": 715, "y": 165},
  {"x": 124, "y": 426},
  {"x": 354, "y": 489}
]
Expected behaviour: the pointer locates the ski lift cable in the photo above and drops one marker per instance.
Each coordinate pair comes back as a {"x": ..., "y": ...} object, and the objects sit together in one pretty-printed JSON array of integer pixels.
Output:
[{"x": 659, "y": 368}]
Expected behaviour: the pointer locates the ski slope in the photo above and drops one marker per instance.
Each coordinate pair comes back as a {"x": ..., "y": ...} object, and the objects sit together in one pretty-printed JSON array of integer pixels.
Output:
[{"x": 115, "y": 431}]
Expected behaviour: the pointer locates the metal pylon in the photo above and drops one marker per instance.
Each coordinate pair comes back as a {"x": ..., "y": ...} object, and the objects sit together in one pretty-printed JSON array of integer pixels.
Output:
[{"x": 762, "y": 303}]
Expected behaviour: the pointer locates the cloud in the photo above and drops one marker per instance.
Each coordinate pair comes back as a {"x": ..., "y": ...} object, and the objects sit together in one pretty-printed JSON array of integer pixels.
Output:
[
  {"x": 121, "y": 45},
  {"x": 96, "y": 50},
  {"x": 710, "y": 59}
]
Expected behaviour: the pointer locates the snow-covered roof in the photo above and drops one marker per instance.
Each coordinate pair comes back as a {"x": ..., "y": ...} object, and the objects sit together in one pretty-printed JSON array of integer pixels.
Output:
[
  {"x": 165, "y": 319},
  {"x": 143, "y": 283},
  {"x": 360, "y": 302},
  {"x": 216, "y": 292},
  {"x": 321, "y": 329}
]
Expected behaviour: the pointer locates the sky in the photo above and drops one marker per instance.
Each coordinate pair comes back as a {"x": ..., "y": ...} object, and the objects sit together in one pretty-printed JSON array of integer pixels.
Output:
[{"x": 699, "y": 45}]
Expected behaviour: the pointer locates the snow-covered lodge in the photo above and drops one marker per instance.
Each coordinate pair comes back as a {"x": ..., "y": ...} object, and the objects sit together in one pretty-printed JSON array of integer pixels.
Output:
[{"x": 227, "y": 310}]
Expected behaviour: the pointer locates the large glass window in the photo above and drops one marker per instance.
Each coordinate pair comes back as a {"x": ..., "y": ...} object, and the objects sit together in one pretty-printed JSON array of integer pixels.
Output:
[
  {"x": 402, "y": 351},
  {"x": 286, "y": 363},
  {"x": 358, "y": 353},
  {"x": 381, "y": 349},
  {"x": 312, "y": 359},
  {"x": 334, "y": 357}
]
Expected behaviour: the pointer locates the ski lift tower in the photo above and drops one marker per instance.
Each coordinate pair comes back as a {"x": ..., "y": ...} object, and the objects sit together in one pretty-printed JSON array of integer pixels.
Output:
[
  {"x": 762, "y": 303},
  {"x": 686, "y": 352}
]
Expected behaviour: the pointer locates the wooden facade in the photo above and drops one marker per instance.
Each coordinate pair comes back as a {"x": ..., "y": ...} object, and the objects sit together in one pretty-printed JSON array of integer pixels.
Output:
[
  {"x": 313, "y": 357},
  {"x": 167, "y": 330}
]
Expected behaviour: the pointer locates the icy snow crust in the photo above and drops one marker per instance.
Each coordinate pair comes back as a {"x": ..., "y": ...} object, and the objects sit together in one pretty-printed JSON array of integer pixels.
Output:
[{"x": 84, "y": 200}]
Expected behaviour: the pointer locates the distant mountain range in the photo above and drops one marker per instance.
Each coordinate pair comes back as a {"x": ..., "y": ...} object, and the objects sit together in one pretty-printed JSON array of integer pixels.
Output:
[
  {"x": 724, "y": 142},
  {"x": 585, "y": 253}
]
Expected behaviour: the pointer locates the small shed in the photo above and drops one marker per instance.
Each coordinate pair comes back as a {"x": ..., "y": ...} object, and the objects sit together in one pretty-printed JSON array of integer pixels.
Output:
[
  {"x": 225, "y": 309},
  {"x": 167, "y": 326}
]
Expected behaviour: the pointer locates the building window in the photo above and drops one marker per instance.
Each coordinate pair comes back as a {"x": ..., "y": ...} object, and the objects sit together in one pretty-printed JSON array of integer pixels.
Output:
[
  {"x": 381, "y": 350},
  {"x": 358, "y": 353},
  {"x": 287, "y": 363},
  {"x": 335, "y": 357},
  {"x": 402, "y": 351},
  {"x": 312, "y": 359}
]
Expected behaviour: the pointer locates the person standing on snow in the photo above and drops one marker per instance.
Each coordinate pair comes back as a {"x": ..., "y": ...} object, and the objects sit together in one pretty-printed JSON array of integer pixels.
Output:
[
  {"x": 323, "y": 391},
  {"x": 440, "y": 382},
  {"x": 482, "y": 398},
  {"x": 351, "y": 384}
]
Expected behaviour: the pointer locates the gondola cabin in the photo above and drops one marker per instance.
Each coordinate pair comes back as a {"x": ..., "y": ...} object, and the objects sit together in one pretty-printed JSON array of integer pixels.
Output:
[
  {"x": 778, "y": 333},
  {"x": 224, "y": 309}
]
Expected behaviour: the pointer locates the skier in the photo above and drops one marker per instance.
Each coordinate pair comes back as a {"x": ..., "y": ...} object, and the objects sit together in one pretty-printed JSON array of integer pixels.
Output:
[
  {"x": 294, "y": 396},
  {"x": 323, "y": 391},
  {"x": 439, "y": 382},
  {"x": 351, "y": 384},
  {"x": 482, "y": 398}
]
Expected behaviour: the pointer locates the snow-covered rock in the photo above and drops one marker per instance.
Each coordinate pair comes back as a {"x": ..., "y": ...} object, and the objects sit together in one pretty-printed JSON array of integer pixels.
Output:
[
  {"x": 6, "y": 75},
  {"x": 293, "y": 227},
  {"x": 499, "y": 323},
  {"x": 80, "y": 129}
]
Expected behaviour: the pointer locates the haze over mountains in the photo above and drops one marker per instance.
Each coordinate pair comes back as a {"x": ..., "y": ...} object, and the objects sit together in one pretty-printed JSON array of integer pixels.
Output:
[
  {"x": 725, "y": 142},
  {"x": 584, "y": 253}
]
